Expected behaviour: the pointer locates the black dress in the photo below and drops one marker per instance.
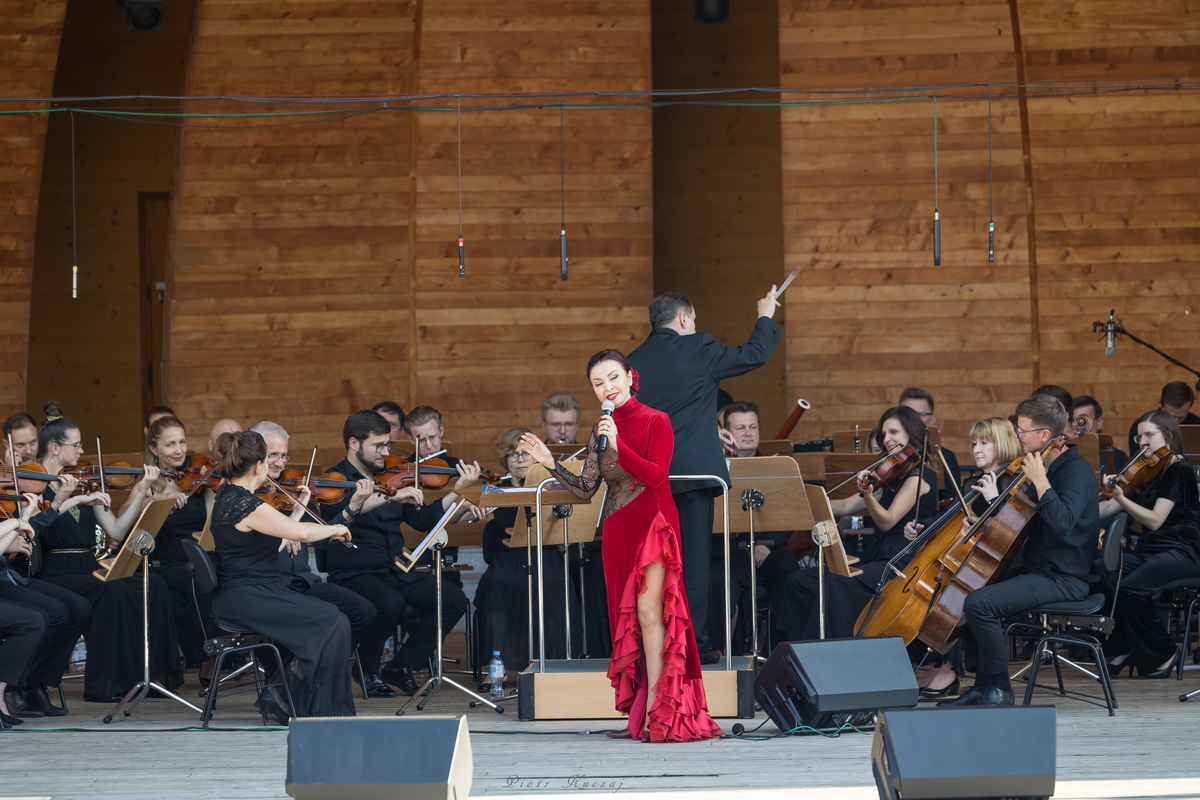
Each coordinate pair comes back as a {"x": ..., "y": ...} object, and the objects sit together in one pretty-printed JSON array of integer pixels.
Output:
[
  {"x": 114, "y": 637},
  {"x": 253, "y": 594},
  {"x": 502, "y": 597},
  {"x": 795, "y": 599},
  {"x": 171, "y": 563},
  {"x": 1169, "y": 553}
]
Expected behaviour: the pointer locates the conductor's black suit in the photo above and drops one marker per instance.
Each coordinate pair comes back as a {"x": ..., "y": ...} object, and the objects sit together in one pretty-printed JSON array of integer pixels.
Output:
[{"x": 679, "y": 376}]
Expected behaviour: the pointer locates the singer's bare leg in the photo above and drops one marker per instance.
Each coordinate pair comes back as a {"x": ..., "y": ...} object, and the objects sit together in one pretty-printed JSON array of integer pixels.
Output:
[{"x": 654, "y": 630}]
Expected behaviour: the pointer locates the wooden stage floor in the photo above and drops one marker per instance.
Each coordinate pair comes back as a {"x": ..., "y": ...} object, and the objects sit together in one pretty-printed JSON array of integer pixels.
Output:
[{"x": 1149, "y": 749}]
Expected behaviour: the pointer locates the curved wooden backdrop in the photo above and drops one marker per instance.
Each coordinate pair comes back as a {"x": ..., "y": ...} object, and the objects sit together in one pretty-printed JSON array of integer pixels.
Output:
[{"x": 1093, "y": 206}]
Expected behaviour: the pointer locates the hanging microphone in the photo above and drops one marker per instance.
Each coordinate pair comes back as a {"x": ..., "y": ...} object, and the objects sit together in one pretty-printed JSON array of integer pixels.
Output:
[
  {"x": 606, "y": 410},
  {"x": 937, "y": 239},
  {"x": 991, "y": 242},
  {"x": 462, "y": 261},
  {"x": 1108, "y": 334},
  {"x": 562, "y": 253}
]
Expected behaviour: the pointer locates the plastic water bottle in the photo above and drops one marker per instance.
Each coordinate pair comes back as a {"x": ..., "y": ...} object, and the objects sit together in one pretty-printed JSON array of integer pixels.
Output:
[{"x": 496, "y": 677}]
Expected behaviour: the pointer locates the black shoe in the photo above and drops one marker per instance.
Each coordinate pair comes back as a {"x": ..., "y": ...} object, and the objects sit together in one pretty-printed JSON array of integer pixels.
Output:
[
  {"x": 37, "y": 698},
  {"x": 1158, "y": 673},
  {"x": 949, "y": 691},
  {"x": 995, "y": 696},
  {"x": 401, "y": 677},
  {"x": 9, "y": 721},
  {"x": 269, "y": 707},
  {"x": 20, "y": 707},
  {"x": 709, "y": 656},
  {"x": 377, "y": 688},
  {"x": 968, "y": 698}
]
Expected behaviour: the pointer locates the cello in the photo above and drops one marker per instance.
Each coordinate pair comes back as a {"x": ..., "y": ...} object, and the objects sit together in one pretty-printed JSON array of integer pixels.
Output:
[{"x": 981, "y": 554}]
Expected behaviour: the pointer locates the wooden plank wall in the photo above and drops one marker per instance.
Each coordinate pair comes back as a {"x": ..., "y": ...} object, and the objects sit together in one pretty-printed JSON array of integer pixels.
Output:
[
  {"x": 314, "y": 266},
  {"x": 87, "y": 352},
  {"x": 858, "y": 203},
  {"x": 29, "y": 37},
  {"x": 718, "y": 229}
]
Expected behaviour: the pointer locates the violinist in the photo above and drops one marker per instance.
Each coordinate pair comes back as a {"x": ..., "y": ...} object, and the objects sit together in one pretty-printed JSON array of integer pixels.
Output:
[
  {"x": 375, "y": 521},
  {"x": 22, "y": 429},
  {"x": 1057, "y": 555},
  {"x": 1164, "y": 513},
  {"x": 154, "y": 413},
  {"x": 252, "y": 593},
  {"x": 225, "y": 425},
  {"x": 560, "y": 418},
  {"x": 394, "y": 414},
  {"x": 167, "y": 449},
  {"x": 889, "y": 507},
  {"x": 921, "y": 402},
  {"x": 70, "y": 541},
  {"x": 993, "y": 445},
  {"x": 1177, "y": 399},
  {"x": 502, "y": 597},
  {"x": 293, "y": 554},
  {"x": 60, "y": 616}
]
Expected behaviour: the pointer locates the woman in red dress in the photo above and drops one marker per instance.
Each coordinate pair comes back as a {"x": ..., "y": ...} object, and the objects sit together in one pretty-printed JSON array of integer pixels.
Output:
[{"x": 655, "y": 668}]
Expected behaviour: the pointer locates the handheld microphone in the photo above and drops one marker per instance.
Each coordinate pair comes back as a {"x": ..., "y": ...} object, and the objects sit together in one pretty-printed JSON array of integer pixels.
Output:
[
  {"x": 606, "y": 410},
  {"x": 1108, "y": 330}
]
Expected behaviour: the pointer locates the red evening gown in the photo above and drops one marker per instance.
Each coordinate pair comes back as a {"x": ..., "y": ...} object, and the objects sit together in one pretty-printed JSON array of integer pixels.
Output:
[{"x": 641, "y": 527}]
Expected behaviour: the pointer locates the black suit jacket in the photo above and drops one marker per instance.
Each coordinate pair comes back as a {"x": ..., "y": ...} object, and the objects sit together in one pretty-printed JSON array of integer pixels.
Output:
[{"x": 679, "y": 376}]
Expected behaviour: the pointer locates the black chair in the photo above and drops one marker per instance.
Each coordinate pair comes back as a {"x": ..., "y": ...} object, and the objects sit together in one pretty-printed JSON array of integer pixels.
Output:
[
  {"x": 1074, "y": 624},
  {"x": 1180, "y": 599},
  {"x": 232, "y": 642}
]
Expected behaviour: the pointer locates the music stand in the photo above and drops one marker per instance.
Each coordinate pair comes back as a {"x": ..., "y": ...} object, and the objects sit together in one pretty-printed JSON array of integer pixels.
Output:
[
  {"x": 435, "y": 539},
  {"x": 773, "y": 498},
  {"x": 140, "y": 544}
]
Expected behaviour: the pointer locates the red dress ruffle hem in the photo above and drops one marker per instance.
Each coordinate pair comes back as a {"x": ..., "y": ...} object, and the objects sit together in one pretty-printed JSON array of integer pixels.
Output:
[{"x": 680, "y": 711}]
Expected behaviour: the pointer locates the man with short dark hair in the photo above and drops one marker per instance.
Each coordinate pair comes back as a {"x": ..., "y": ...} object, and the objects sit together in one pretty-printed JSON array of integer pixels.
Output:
[
  {"x": 679, "y": 372},
  {"x": 1176, "y": 399},
  {"x": 1111, "y": 460},
  {"x": 374, "y": 520},
  {"x": 921, "y": 402},
  {"x": 1057, "y": 555},
  {"x": 393, "y": 413}
]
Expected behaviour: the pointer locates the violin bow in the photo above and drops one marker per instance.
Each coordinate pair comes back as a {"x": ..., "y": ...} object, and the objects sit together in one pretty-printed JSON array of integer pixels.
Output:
[
  {"x": 311, "y": 461},
  {"x": 12, "y": 459},
  {"x": 307, "y": 510},
  {"x": 100, "y": 459},
  {"x": 957, "y": 491}
]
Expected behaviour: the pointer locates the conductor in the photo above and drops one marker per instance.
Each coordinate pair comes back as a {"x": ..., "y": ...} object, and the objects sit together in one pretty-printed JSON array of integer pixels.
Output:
[{"x": 679, "y": 371}]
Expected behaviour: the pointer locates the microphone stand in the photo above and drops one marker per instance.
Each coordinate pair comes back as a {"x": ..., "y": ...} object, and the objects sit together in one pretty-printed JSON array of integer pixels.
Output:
[{"x": 1119, "y": 330}]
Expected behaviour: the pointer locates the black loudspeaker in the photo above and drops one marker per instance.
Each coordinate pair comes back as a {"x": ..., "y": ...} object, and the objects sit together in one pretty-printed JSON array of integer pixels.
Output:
[
  {"x": 372, "y": 758},
  {"x": 825, "y": 684},
  {"x": 971, "y": 752}
]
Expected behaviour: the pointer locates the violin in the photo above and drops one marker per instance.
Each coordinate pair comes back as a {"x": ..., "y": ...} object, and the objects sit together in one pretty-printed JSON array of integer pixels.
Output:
[
  {"x": 434, "y": 473},
  {"x": 32, "y": 477},
  {"x": 118, "y": 475},
  {"x": 9, "y": 504},
  {"x": 197, "y": 472},
  {"x": 279, "y": 500},
  {"x": 889, "y": 468},
  {"x": 328, "y": 488},
  {"x": 1141, "y": 469}
]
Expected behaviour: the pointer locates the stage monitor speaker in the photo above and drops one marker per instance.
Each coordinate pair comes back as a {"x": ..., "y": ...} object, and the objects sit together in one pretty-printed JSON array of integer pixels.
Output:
[
  {"x": 372, "y": 758},
  {"x": 969, "y": 752},
  {"x": 825, "y": 684}
]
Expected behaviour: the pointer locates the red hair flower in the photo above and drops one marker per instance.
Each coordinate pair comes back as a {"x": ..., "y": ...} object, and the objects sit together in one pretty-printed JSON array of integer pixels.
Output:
[{"x": 633, "y": 374}]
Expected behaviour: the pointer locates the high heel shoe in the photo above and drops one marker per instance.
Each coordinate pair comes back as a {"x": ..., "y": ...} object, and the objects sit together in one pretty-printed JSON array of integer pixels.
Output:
[
  {"x": 1115, "y": 670},
  {"x": 1167, "y": 670},
  {"x": 950, "y": 690},
  {"x": 10, "y": 721}
]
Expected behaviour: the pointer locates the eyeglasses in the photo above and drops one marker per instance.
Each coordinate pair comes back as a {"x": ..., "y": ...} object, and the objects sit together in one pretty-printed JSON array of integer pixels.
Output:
[
  {"x": 520, "y": 455},
  {"x": 1021, "y": 432},
  {"x": 383, "y": 448},
  {"x": 77, "y": 445},
  {"x": 1147, "y": 436},
  {"x": 279, "y": 456}
]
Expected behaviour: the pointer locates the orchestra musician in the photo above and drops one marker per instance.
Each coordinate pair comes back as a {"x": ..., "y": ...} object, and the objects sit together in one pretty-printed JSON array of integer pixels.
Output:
[
  {"x": 993, "y": 445},
  {"x": 41, "y": 622},
  {"x": 502, "y": 597},
  {"x": 795, "y": 598},
  {"x": 369, "y": 570},
  {"x": 682, "y": 369},
  {"x": 294, "y": 556},
  {"x": 70, "y": 539},
  {"x": 167, "y": 449},
  {"x": 252, "y": 593},
  {"x": 560, "y": 418},
  {"x": 1111, "y": 461},
  {"x": 225, "y": 425},
  {"x": 1176, "y": 399},
  {"x": 394, "y": 414},
  {"x": 1056, "y": 558},
  {"x": 655, "y": 665},
  {"x": 1163, "y": 513}
]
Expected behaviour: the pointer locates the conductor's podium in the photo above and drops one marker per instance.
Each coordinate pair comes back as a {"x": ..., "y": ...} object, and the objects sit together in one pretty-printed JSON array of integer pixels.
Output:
[{"x": 579, "y": 688}]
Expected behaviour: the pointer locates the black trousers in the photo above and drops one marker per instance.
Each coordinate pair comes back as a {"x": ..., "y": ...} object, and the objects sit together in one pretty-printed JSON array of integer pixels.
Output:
[
  {"x": 986, "y": 609},
  {"x": 21, "y": 628},
  {"x": 358, "y": 610},
  {"x": 1139, "y": 629},
  {"x": 696, "y": 536},
  {"x": 395, "y": 594},
  {"x": 66, "y": 616}
]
